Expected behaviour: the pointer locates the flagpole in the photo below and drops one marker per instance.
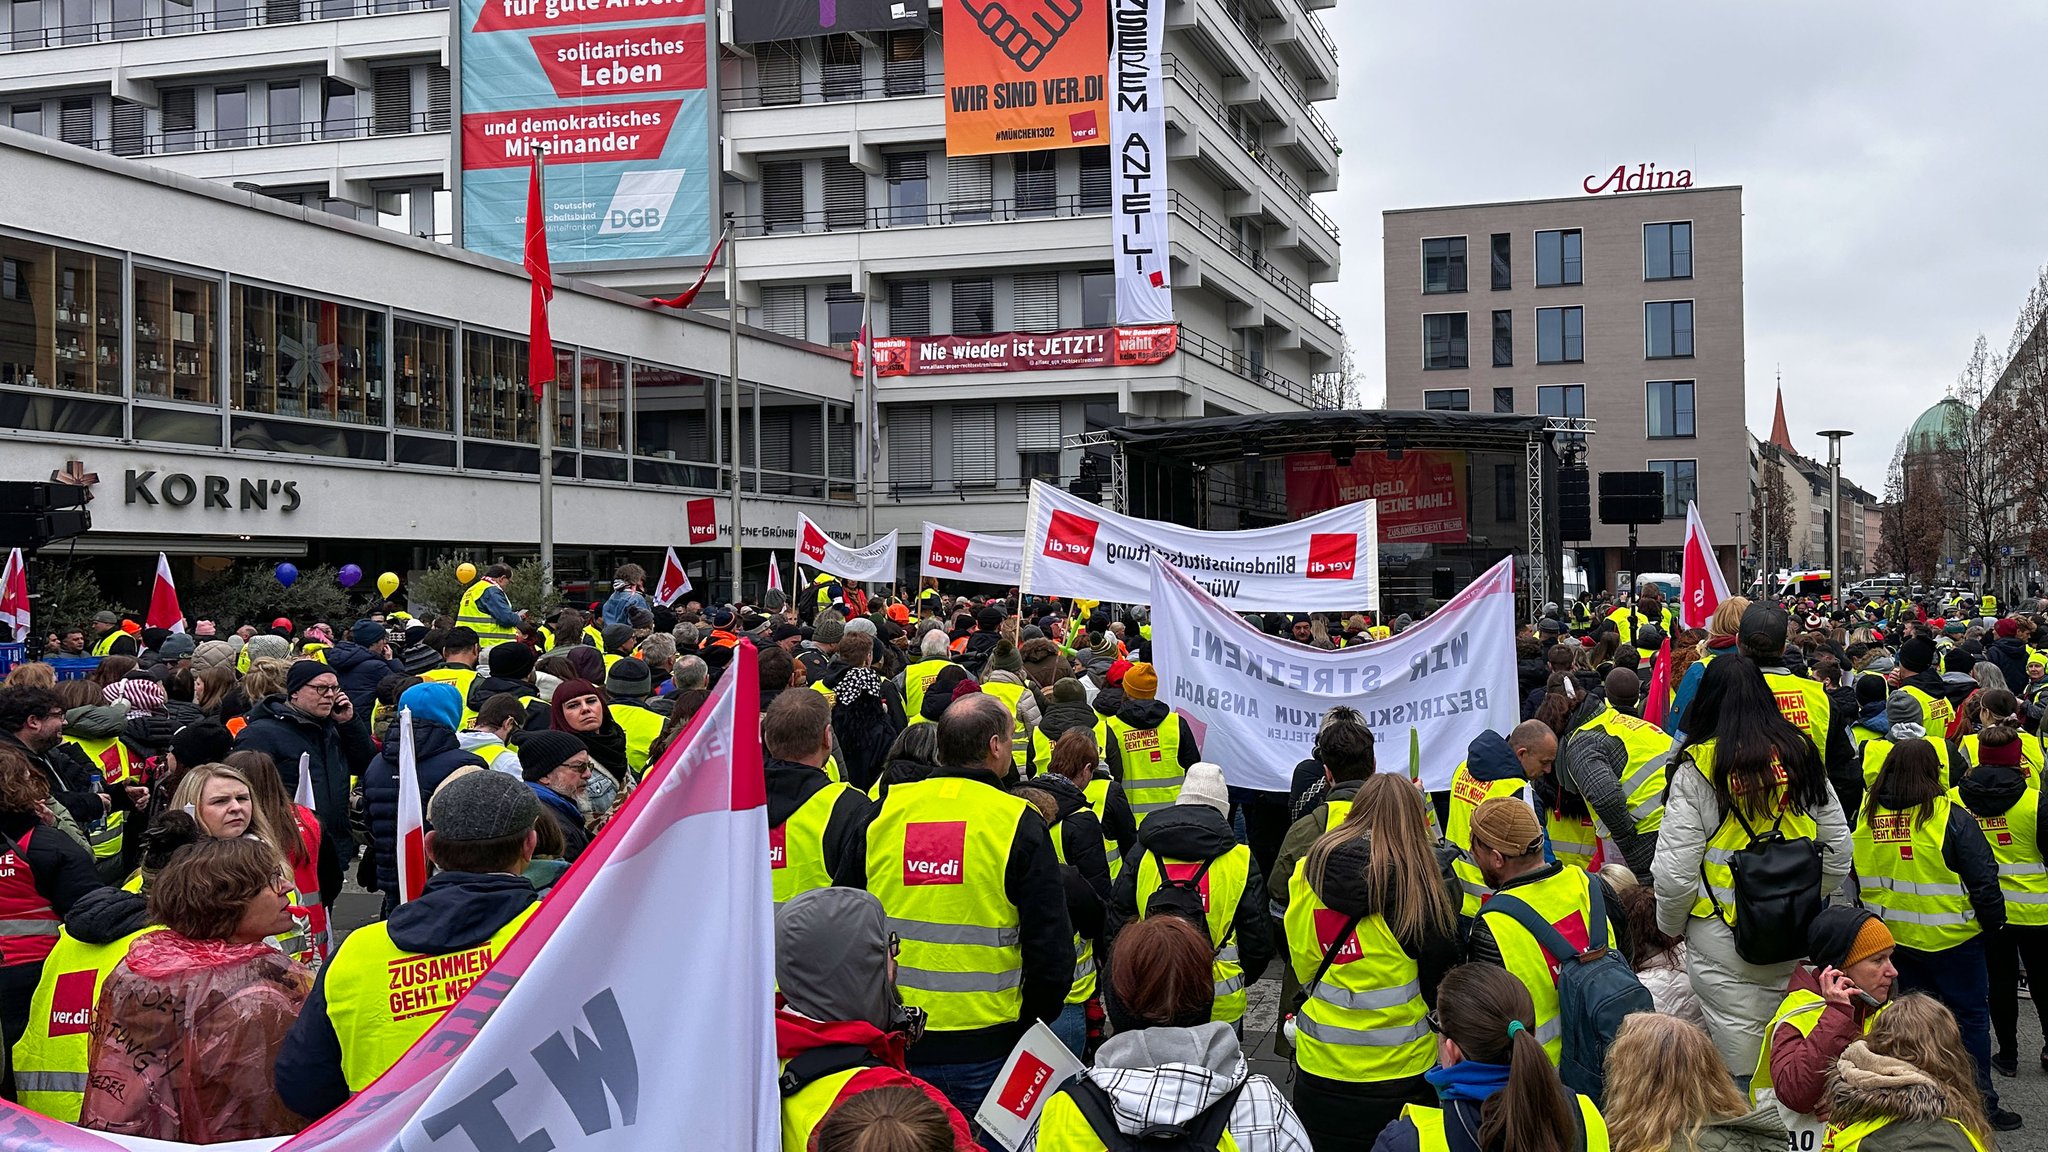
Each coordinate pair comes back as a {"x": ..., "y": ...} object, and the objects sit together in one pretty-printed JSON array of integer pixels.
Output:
[
  {"x": 863, "y": 463},
  {"x": 547, "y": 419},
  {"x": 732, "y": 353}
]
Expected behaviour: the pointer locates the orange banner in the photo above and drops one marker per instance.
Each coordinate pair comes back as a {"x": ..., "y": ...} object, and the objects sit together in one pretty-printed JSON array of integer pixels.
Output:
[{"x": 1026, "y": 75}]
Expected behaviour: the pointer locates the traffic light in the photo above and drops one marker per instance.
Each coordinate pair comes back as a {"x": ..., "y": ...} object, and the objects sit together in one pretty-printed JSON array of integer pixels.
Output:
[{"x": 35, "y": 513}]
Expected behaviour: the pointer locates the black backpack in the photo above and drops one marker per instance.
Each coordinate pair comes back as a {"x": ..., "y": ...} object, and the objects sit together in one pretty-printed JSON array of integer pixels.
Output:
[
  {"x": 1596, "y": 989},
  {"x": 814, "y": 1064},
  {"x": 1181, "y": 898},
  {"x": 1202, "y": 1132},
  {"x": 1777, "y": 885}
]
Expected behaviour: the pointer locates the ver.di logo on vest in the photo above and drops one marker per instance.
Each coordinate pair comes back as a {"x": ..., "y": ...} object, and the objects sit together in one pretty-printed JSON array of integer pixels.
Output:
[
  {"x": 1071, "y": 538},
  {"x": 934, "y": 853},
  {"x": 71, "y": 1004}
]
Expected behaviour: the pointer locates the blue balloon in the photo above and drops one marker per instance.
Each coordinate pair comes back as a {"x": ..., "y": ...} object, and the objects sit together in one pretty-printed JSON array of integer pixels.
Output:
[
  {"x": 286, "y": 574},
  {"x": 349, "y": 575}
]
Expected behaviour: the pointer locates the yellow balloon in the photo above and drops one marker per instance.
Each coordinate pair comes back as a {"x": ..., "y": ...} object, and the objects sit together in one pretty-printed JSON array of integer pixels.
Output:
[
  {"x": 465, "y": 571},
  {"x": 387, "y": 583}
]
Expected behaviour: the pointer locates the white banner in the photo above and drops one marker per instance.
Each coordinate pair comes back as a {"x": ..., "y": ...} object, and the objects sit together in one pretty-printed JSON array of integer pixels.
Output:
[
  {"x": 957, "y": 554},
  {"x": 1329, "y": 562},
  {"x": 1137, "y": 130},
  {"x": 875, "y": 563},
  {"x": 577, "y": 1036},
  {"x": 1254, "y": 701}
]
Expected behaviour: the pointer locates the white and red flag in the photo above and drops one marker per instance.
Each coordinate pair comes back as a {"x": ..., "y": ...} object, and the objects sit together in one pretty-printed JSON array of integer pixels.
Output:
[
  {"x": 674, "y": 581},
  {"x": 163, "y": 599},
  {"x": 774, "y": 573},
  {"x": 412, "y": 820},
  {"x": 1701, "y": 585},
  {"x": 14, "y": 594}
]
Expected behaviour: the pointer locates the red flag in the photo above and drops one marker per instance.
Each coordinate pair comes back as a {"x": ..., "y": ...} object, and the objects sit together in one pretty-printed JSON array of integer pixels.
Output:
[
  {"x": 163, "y": 600},
  {"x": 412, "y": 830},
  {"x": 14, "y": 594},
  {"x": 774, "y": 574},
  {"x": 689, "y": 296},
  {"x": 1701, "y": 585},
  {"x": 674, "y": 581},
  {"x": 540, "y": 345},
  {"x": 1657, "y": 699}
]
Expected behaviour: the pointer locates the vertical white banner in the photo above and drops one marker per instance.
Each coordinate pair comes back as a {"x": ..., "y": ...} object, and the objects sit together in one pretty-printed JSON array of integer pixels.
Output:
[{"x": 1137, "y": 129}]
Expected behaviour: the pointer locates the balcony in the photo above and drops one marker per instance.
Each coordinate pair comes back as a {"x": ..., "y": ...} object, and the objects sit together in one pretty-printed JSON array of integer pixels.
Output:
[
  {"x": 265, "y": 135},
  {"x": 909, "y": 239},
  {"x": 184, "y": 23},
  {"x": 1303, "y": 32},
  {"x": 1220, "y": 232},
  {"x": 1253, "y": 150},
  {"x": 1316, "y": 395}
]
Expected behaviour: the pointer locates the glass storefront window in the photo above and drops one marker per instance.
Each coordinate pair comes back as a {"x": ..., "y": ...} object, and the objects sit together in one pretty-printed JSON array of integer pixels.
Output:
[
  {"x": 496, "y": 402},
  {"x": 603, "y": 392},
  {"x": 60, "y": 319},
  {"x": 174, "y": 337},
  {"x": 674, "y": 433},
  {"x": 792, "y": 444},
  {"x": 307, "y": 357},
  {"x": 424, "y": 359}
]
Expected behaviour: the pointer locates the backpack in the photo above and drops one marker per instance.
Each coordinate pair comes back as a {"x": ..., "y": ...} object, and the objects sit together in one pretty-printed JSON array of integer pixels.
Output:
[
  {"x": 814, "y": 1064},
  {"x": 1777, "y": 885},
  {"x": 1202, "y": 1132},
  {"x": 1181, "y": 898},
  {"x": 1596, "y": 990}
]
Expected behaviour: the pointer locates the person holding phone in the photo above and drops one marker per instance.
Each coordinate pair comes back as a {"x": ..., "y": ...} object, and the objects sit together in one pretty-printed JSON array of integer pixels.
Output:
[{"x": 1829, "y": 1004}]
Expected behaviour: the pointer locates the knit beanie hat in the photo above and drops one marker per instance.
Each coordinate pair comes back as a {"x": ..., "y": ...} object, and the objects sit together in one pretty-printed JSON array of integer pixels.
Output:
[
  {"x": 1836, "y": 934},
  {"x": 828, "y": 630},
  {"x": 177, "y": 646},
  {"x": 364, "y": 633},
  {"x": 510, "y": 661},
  {"x": 629, "y": 677},
  {"x": 1870, "y": 689},
  {"x": 1902, "y": 707},
  {"x": 1116, "y": 672},
  {"x": 1507, "y": 825},
  {"x": 1916, "y": 655},
  {"x": 1872, "y": 937},
  {"x": 544, "y": 751},
  {"x": 263, "y": 647},
  {"x": 1204, "y": 785},
  {"x": 1069, "y": 691},
  {"x": 1006, "y": 659},
  {"x": 1141, "y": 682},
  {"x": 141, "y": 696},
  {"x": 302, "y": 673},
  {"x": 206, "y": 742}
]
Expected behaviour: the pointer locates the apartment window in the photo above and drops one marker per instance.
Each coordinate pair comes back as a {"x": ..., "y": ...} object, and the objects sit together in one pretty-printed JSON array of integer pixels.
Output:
[
  {"x": 1038, "y": 441},
  {"x": 782, "y": 196},
  {"x": 126, "y": 120},
  {"x": 974, "y": 445},
  {"x": 338, "y": 111},
  {"x": 1251, "y": 345},
  {"x": 1503, "y": 261},
  {"x": 903, "y": 64},
  {"x": 846, "y": 195},
  {"x": 77, "y": 21},
  {"x": 230, "y": 117},
  {"x": 1443, "y": 265},
  {"x": 1670, "y": 409},
  {"x": 27, "y": 118},
  {"x": 1560, "y": 335},
  {"x": 285, "y": 112},
  {"x": 1504, "y": 486},
  {"x": 1504, "y": 340},
  {"x": 908, "y": 189},
  {"x": 391, "y": 101},
  {"x": 1503, "y": 399},
  {"x": 839, "y": 64},
  {"x": 843, "y": 315},
  {"x": 1559, "y": 258},
  {"x": 970, "y": 188},
  {"x": 1681, "y": 485},
  {"x": 1037, "y": 183},
  {"x": 1098, "y": 299},
  {"x": 438, "y": 98},
  {"x": 1561, "y": 400},
  {"x": 1095, "y": 182},
  {"x": 783, "y": 311},
  {"x": 910, "y": 446},
  {"x": 1667, "y": 251},
  {"x": 1444, "y": 341},
  {"x": 129, "y": 20},
  {"x": 779, "y": 70},
  {"x": 974, "y": 307},
  {"x": 910, "y": 308},
  {"x": 28, "y": 24},
  {"x": 1447, "y": 399},
  {"x": 1035, "y": 302},
  {"x": 1667, "y": 329}
]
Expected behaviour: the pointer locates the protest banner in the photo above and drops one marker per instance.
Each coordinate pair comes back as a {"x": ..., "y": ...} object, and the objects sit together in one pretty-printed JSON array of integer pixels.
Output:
[
  {"x": 957, "y": 554},
  {"x": 571, "y": 1039},
  {"x": 875, "y": 563},
  {"x": 1421, "y": 495},
  {"x": 1326, "y": 563},
  {"x": 1254, "y": 701}
]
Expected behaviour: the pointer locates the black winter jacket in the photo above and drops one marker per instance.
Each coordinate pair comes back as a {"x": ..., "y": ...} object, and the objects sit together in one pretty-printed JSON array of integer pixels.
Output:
[
  {"x": 791, "y": 785},
  {"x": 1199, "y": 832},
  {"x": 1148, "y": 714},
  {"x": 484, "y": 687},
  {"x": 69, "y": 774},
  {"x": 63, "y": 869},
  {"x": 437, "y": 753},
  {"x": 360, "y": 671},
  {"x": 339, "y": 751},
  {"x": 104, "y": 915}
]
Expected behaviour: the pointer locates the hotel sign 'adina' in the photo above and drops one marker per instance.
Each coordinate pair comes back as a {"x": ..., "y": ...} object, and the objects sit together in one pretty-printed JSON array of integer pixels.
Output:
[{"x": 1645, "y": 178}]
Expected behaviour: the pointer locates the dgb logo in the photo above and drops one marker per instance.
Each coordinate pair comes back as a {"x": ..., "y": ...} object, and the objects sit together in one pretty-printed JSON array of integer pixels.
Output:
[{"x": 634, "y": 220}]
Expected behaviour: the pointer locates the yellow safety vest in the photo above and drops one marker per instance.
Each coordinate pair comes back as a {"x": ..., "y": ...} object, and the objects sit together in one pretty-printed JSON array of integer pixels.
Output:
[
  {"x": 381, "y": 998},
  {"x": 462, "y": 678},
  {"x": 938, "y": 851},
  {"x": 1083, "y": 989},
  {"x": 1905, "y": 880},
  {"x": 104, "y": 646},
  {"x": 1939, "y": 713},
  {"x": 50, "y": 1059},
  {"x": 1649, "y": 755},
  {"x": 1097, "y": 793},
  {"x": 1150, "y": 759},
  {"x": 1801, "y": 1009},
  {"x": 1851, "y": 1139},
  {"x": 488, "y": 753},
  {"x": 1364, "y": 1022},
  {"x": 1429, "y": 1125},
  {"x": 1574, "y": 840},
  {"x": 642, "y": 729},
  {"x": 1012, "y": 696},
  {"x": 803, "y": 1112},
  {"x": 796, "y": 847},
  {"x": 1042, "y": 747},
  {"x": 469, "y": 611},
  {"x": 1804, "y": 702},
  {"x": 1566, "y": 901},
  {"x": 2015, "y": 841},
  {"x": 917, "y": 679},
  {"x": 1222, "y": 887},
  {"x": 2030, "y": 754},
  {"x": 1878, "y": 749},
  {"x": 1717, "y": 878},
  {"x": 1062, "y": 1128},
  {"x": 1468, "y": 793},
  {"x": 116, "y": 764}
]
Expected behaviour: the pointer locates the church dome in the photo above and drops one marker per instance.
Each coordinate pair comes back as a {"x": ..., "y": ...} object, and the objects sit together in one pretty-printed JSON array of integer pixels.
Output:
[{"x": 1940, "y": 427}]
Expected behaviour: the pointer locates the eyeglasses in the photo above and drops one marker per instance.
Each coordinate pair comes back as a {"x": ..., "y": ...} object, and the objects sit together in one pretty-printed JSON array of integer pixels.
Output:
[
  {"x": 1429, "y": 1019},
  {"x": 324, "y": 689}
]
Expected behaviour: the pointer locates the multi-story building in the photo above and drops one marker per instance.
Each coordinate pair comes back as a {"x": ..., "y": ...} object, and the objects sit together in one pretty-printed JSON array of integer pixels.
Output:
[
  {"x": 845, "y": 201},
  {"x": 1625, "y": 309}
]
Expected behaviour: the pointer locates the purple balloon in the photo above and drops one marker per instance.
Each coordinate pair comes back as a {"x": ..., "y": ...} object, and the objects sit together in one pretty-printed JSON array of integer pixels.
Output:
[
  {"x": 349, "y": 575},
  {"x": 287, "y": 573}
]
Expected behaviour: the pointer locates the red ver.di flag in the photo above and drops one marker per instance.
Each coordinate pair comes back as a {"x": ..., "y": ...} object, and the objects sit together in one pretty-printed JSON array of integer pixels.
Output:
[
  {"x": 957, "y": 554},
  {"x": 1702, "y": 587},
  {"x": 875, "y": 563}
]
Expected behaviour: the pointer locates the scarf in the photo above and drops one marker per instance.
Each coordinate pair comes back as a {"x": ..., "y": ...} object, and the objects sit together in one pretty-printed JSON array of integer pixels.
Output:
[
  {"x": 1467, "y": 1080},
  {"x": 560, "y": 803}
]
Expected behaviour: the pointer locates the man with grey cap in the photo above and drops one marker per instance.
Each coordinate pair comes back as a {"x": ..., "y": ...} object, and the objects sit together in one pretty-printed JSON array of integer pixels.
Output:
[
  {"x": 390, "y": 982},
  {"x": 843, "y": 1028},
  {"x": 107, "y": 637}
]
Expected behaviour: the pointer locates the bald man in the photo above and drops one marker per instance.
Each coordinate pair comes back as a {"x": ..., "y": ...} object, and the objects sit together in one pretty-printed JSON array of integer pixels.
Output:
[{"x": 1535, "y": 748}]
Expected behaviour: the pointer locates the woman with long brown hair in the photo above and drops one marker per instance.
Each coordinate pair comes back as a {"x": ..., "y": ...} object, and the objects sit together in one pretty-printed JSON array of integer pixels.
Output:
[
  {"x": 1667, "y": 1091},
  {"x": 1497, "y": 1088},
  {"x": 1371, "y": 930}
]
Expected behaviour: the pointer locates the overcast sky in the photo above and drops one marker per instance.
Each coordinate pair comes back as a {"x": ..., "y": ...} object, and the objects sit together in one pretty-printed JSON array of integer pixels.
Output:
[{"x": 1893, "y": 158}]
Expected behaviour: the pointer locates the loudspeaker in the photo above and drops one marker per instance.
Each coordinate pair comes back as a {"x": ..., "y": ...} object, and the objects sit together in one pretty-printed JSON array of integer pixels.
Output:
[
  {"x": 1631, "y": 497},
  {"x": 1575, "y": 504},
  {"x": 1442, "y": 584}
]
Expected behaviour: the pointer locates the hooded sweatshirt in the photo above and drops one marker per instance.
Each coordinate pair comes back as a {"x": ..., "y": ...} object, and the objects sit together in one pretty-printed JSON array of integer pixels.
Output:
[
  {"x": 791, "y": 785},
  {"x": 1147, "y": 714},
  {"x": 455, "y": 912},
  {"x": 1199, "y": 832},
  {"x": 1168, "y": 1075}
]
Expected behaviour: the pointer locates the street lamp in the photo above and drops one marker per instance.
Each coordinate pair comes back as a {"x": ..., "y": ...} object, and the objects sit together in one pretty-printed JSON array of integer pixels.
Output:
[{"x": 1834, "y": 437}]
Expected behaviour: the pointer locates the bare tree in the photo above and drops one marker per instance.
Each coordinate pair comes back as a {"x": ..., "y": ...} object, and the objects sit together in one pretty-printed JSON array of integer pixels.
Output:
[
  {"x": 1914, "y": 517},
  {"x": 2020, "y": 410},
  {"x": 1970, "y": 469},
  {"x": 1771, "y": 507}
]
